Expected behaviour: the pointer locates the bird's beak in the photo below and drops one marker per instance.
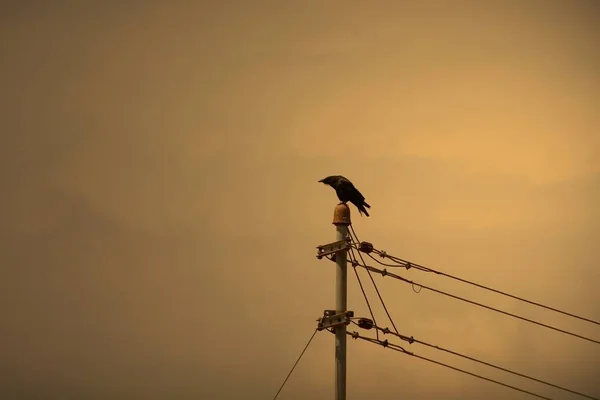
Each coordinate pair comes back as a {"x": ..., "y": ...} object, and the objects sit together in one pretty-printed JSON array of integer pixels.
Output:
[{"x": 321, "y": 181}]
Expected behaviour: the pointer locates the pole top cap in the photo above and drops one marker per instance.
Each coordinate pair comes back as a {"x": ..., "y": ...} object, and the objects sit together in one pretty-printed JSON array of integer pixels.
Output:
[{"x": 341, "y": 215}]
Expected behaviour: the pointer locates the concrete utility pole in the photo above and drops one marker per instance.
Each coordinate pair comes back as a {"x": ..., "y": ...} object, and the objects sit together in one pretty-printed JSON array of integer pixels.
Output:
[
  {"x": 337, "y": 320},
  {"x": 341, "y": 220}
]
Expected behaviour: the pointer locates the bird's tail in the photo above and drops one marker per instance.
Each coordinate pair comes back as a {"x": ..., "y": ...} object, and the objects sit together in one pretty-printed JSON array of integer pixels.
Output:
[
  {"x": 366, "y": 205},
  {"x": 362, "y": 209}
]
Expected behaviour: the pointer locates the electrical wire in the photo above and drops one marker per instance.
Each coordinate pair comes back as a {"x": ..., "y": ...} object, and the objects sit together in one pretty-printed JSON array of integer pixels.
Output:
[
  {"x": 384, "y": 272},
  {"x": 395, "y": 347},
  {"x": 363, "y": 291},
  {"x": 401, "y": 263},
  {"x": 411, "y": 340},
  {"x": 356, "y": 244},
  {"x": 408, "y": 264},
  {"x": 296, "y": 363},
  {"x": 353, "y": 262}
]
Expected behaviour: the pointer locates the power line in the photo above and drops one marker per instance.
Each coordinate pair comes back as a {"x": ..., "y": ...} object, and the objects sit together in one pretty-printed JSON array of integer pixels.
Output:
[
  {"x": 384, "y": 272},
  {"x": 354, "y": 261},
  {"x": 296, "y": 363},
  {"x": 363, "y": 291},
  {"x": 401, "y": 263},
  {"x": 366, "y": 324},
  {"x": 395, "y": 347}
]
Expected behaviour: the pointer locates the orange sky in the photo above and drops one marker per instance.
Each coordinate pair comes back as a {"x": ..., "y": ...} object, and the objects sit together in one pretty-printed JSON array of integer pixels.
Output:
[{"x": 160, "y": 206}]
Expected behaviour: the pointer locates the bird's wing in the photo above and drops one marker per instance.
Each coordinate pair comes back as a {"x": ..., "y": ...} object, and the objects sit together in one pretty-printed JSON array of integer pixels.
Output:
[
  {"x": 351, "y": 188},
  {"x": 358, "y": 194}
]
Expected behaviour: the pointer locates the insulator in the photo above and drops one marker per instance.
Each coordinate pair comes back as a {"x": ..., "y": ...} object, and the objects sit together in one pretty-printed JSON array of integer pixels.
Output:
[
  {"x": 365, "y": 247},
  {"x": 365, "y": 323}
]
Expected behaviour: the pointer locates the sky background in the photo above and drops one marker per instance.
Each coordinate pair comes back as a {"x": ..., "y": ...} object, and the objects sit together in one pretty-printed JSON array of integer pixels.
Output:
[{"x": 160, "y": 207}]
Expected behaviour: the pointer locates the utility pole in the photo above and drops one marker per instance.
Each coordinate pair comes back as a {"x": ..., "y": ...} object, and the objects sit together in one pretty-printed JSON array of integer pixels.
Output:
[
  {"x": 339, "y": 318},
  {"x": 341, "y": 220}
]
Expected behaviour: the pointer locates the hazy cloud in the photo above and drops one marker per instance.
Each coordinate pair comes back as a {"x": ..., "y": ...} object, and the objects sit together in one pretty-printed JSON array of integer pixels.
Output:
[{"x": 161, "y": 209}]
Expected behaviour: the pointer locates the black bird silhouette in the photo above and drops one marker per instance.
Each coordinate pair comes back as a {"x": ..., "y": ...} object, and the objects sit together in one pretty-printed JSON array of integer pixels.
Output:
[{"x": 346, "y": 192}]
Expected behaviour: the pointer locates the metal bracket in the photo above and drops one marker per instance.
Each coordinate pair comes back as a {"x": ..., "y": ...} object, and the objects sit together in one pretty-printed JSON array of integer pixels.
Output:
[
  {"x": 330, "y": 319},
  {"x": 332, "y": 248}
]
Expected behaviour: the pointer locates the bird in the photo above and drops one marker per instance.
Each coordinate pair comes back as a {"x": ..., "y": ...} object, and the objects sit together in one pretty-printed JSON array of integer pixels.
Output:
[{"x": 346, "y": 192}]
